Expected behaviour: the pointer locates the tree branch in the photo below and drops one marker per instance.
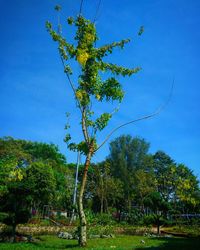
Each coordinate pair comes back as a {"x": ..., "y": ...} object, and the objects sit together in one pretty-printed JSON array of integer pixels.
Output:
[
  {"x": 157, "y": 112},
  {"x": 97, "y": 10},
  {"x": 84, "y": 127},
  {"x": 81, "y": 6}
]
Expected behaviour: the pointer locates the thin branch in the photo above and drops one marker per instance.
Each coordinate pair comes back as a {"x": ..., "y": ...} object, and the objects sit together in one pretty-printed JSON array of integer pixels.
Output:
[
  {"x": 94, "y": 132},
  {"x": 84, "y": 127},
  {"x": 81, "y": 6},
  {"x": 115, "y": 110},
  {"x": 157, "y": 112},
  {"x": 71, "y": 85},
  {"x": 97, "y": 10},
  {"x": 68, "y": 77}
]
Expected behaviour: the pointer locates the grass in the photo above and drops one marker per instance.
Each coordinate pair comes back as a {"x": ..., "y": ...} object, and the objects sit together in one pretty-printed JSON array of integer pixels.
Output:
[{"x": 118, "y": 243}]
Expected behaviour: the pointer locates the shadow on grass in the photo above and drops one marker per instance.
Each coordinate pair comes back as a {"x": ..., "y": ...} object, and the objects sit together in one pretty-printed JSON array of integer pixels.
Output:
[
  {"x": 70, "y": 246},
  {"x": 48, "y": 246},
  {"x": 174, "y": 244},
  {"x": 66, "y": 246}
]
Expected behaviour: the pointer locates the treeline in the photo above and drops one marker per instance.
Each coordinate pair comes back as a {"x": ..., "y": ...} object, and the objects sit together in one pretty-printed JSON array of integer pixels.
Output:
[
  {"x": 129, "y": 183},
  {"x": 130, "y": 178}
]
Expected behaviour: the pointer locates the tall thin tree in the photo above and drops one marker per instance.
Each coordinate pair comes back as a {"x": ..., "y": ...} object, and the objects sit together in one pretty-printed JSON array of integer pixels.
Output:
[{"x": 90, "y": 88}]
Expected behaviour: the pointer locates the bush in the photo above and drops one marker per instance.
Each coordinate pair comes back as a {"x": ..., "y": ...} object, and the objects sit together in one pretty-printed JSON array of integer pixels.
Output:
[
  {"x": 3, "y": 216},
  {"x": 147, "y": 220},
  {"x": 134, "y": 217},
  {"x": 100, "y": 230},
  {"x": 104, "y": 219},
  {"x": 99, "y": 219},
  {"x": 90, "y": 216}
]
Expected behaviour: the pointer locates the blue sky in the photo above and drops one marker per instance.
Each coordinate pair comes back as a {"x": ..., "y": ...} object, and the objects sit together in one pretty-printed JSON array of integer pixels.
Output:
[{"x": 35, "y": 95}]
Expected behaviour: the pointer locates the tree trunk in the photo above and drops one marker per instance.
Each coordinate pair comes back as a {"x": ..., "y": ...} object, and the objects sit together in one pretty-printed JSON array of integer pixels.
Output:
[
  {"x": 158, "y": 225},
  {"x": 14, "y": 232},
  {"x": 101, "y": 211},
  {"x": 82, "y": 218},
  {"x": 158, "y": 228},
  {"x": 106, "y": 206},
  {"x": 102, "y": 194}
]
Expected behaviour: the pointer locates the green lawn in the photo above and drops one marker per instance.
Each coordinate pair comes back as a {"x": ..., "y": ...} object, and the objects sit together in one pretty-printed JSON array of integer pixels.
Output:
[{"x": 118, "y": 243}]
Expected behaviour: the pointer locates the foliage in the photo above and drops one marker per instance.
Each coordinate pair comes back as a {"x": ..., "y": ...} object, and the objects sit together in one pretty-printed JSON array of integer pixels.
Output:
[
  {"x": 150, "y": 182},
  {"x": 105, "y": 190},
  {"x": 30, "y": 173},
  {"x": 101, "y": 219},
  {"x": 27, "y": 151},
  {"x": 36, "y": 186},
  {"x": 155, "y": 201},
  {"x": 135, "y": 216},
  {"x": 48, "y": 153},
  {"x": 64, "y": 178},
  {"x": 186, "y": 187},
  {"x": 15, "y": 203},
  {"x": 164, "y": 170},
  {"x": 38, "y": 160},
  {"x": 101, "y": 230},
  {"x": 127, "y": 155},
  {"x": 90, "y": 86},
  {"x": 129, "y": 152},
  {"x": 176, "y": 182},
  {"x": 159, "y": 207},
  {"x": 40, "y": 182},
  {"x": 144, "y": 184}
]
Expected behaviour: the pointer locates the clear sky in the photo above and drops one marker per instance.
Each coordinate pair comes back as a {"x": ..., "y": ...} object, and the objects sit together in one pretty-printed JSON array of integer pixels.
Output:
[{"x": 34, "y": 92}]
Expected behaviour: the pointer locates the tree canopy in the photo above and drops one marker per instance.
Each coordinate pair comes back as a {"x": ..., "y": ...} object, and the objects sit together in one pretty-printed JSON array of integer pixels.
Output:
[{"x": 32, "y": 174}]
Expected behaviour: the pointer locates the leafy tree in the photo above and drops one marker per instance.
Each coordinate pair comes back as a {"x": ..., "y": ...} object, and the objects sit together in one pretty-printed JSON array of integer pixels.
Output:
[
  {"x": 159, "y": 207},
  {"x": 24, "y": 186},
  {"x": 14, "y": 199},
  {"x": 64, "y": 187},
  {"x": 48, "y": 153},
  {"x": 187, "y": 188},
  {"x": 25, "y": 152},
  {"x": 106, "y": 190},
  {"x": 32, "y": 174},
  {"x": 164, "y": 168},
  {"x": 144, "y": 184},
  {"x": 12, "y": 161},
  {"x": 176, "y": 183},
  {"x": 41, "y": 183},
  {"x": 89, "y": 88},
  {"x": 127, "y": 155},
  {"x": 16, "y": 154}
]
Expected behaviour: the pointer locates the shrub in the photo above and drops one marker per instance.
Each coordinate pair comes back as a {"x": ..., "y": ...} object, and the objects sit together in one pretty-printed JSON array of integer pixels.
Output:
[
  {"x": 104, "y": 219},
  {"x": 134, "y": 217},
  {"x": 100, "y": 230},
  {"x": 100, "y": 219}
]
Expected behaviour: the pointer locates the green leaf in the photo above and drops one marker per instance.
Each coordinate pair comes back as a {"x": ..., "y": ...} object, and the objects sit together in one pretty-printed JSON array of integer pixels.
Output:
[
  {"x": 70, "y": 20},
  {"x": 67, "y": 138},
  {"x": 58, "y": 8},
  {"x": 102, "y": 121},
  {"x": 140, "y": 32},
  {"x": 68, "y": 70}
]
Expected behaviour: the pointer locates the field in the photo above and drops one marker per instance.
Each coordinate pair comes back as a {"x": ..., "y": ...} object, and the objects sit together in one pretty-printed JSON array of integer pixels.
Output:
[{"x": 118, "y": 243}]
